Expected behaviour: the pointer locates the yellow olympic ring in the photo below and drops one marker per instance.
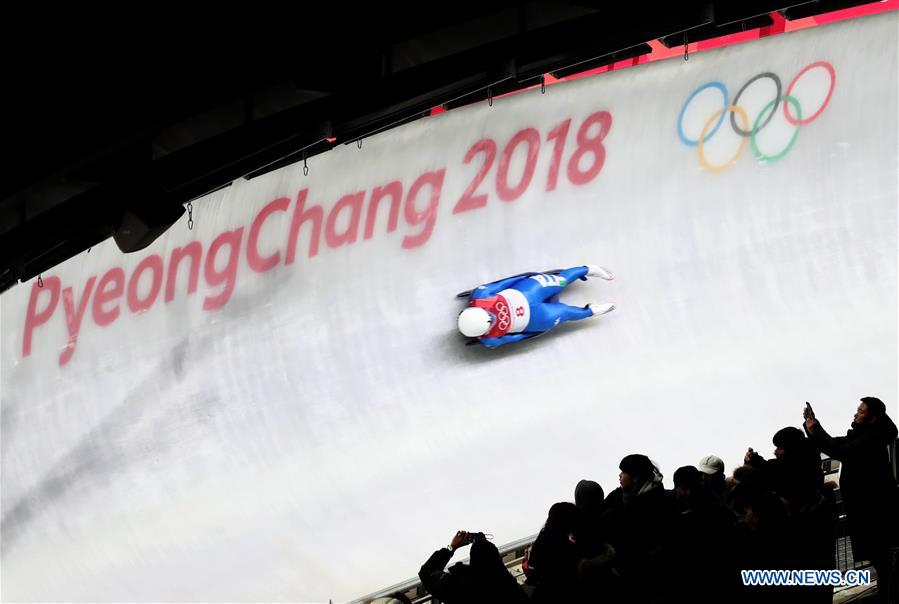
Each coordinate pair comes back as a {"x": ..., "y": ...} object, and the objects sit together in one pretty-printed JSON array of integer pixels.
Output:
[{"x": 739, "y": 111}]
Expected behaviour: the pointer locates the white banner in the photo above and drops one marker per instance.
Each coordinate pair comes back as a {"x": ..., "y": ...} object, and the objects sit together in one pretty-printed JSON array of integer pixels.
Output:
[{"x": 276, "y": 406}]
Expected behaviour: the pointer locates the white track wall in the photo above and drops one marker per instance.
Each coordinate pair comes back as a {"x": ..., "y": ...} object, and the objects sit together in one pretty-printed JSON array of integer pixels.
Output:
[{"x": 314, "y": 429}]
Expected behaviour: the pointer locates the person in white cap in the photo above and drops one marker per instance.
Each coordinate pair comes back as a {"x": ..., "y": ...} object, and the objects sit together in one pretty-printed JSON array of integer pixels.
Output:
[{"x": 712, "y": 468}]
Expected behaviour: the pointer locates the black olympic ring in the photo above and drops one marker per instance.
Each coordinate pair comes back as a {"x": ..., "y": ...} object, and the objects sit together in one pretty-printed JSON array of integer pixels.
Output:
[{"x": 733, "y": 117}]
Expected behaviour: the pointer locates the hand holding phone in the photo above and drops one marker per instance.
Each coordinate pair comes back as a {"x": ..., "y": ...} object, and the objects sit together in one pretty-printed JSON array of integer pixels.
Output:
[
  {"x": 748, "y": 456},
  {"x": 809, "y": 415},
  {"x": 460, "y": 539}
]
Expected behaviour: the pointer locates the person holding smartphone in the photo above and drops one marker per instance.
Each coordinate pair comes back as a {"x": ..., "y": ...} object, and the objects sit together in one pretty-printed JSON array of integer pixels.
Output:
[
  {"x": 484, "y": 579},
  {"x": 866, "y": 480}
]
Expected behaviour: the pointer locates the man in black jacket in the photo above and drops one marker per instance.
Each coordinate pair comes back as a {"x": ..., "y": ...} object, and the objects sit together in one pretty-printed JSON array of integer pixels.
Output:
[
  {"x": 866, "y": 480},
  {"x": 637, "y": 518}
]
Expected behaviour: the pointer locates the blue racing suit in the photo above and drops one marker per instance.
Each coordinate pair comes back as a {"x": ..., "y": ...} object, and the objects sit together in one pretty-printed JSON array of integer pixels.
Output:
[{"x": 527, "y": 305}]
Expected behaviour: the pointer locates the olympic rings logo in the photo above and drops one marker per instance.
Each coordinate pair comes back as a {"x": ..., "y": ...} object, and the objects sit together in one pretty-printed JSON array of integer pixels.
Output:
[
  {"x": 792, "y": 111},
  {"x": 502, "y": 315}
]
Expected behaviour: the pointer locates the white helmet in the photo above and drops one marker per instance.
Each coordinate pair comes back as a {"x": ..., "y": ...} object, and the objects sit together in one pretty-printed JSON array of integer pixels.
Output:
[{"x": 474, "y": 321}]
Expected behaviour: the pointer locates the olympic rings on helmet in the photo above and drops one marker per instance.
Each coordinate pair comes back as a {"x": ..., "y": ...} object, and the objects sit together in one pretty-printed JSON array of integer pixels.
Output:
[{"x": 791, "y": 108}]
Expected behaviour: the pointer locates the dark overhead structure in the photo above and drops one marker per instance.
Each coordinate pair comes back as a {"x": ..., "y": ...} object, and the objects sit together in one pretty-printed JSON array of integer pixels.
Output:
[{"x": 109, "y": 133}]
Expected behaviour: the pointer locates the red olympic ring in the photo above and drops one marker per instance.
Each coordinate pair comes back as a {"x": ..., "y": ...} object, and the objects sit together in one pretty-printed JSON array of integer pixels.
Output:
[
  {"x": 502, "y": 315},
  {"x": 833, "y": 83}
]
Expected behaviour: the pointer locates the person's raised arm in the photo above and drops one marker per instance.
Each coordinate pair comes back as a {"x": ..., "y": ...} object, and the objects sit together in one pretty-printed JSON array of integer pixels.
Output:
[{"x": 433, "y": 577}]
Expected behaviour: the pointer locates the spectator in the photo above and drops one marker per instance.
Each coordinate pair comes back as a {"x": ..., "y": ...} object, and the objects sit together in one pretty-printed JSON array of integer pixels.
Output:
[
  {"x": 702, "y": 537},
  {"x": 796, "y": 465},
  {"x": 492, "y": 580},
  {"x": 712, "y": 469},
  {"x": 588, "y": 497},
  {"x": 455, "y": 585},
  {"x": 485, "y": 579},
  {"x": 810, "y": 521},
  {"x": 795, "y": 476},
  {"x": 866, "y": 481},
  {"x": 638, "y": 516},
  {"x": 553, "y": 559},
  {"x": 598, "y": 578},
  {"x": 747, "y": 473},
  {"x": 763, "y": 541},
  {"x": 800, "y": 456},
  {"x": 694, "y": 501}
]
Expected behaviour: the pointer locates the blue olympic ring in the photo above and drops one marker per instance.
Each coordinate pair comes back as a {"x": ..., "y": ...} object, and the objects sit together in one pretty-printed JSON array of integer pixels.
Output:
[{"x": 680, "y": 118}]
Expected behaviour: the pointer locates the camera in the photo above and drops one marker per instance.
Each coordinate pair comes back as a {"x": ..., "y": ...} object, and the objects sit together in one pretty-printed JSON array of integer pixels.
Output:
[{"x": 472, "y": 537}]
